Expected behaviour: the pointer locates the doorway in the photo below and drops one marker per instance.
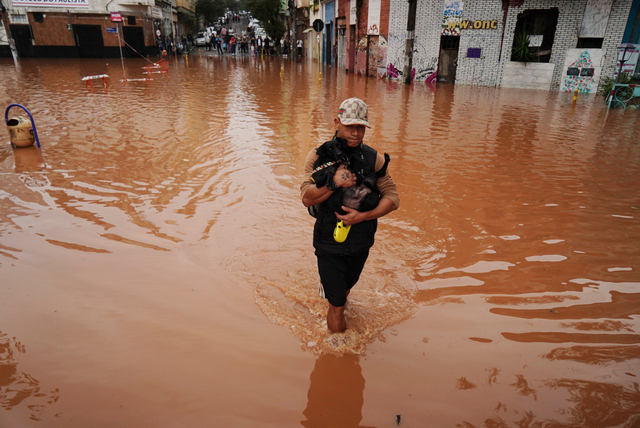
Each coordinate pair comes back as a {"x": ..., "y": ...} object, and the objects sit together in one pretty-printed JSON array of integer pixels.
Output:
[
  {"x": 22, "y": 36},
  {"x": 134, "y": 38},
  {"x": 342, "y": 48},
  {"x": 89, "y": 41},
  {"x": 328, "y": 52},
  {"x": 448, "y": 60},
  {"x": 352, "y": 48}
]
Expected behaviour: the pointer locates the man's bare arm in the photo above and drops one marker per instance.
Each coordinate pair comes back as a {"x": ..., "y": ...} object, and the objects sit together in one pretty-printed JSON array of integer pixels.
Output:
[{"x": 315, "y": 195}]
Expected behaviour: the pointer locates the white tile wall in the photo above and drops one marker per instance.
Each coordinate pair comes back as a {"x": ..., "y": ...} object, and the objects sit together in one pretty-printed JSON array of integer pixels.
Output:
[{"x": 496, "y": 48}]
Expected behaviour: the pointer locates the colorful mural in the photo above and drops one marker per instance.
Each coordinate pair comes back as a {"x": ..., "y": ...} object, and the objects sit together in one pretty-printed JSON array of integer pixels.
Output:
[
  {"x": 377, "y": 56},
  {"x": 580, "y": 75}
]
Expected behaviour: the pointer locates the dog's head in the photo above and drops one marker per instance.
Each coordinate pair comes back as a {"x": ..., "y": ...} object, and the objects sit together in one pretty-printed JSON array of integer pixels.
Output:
[{"x": 332, "y": 151}]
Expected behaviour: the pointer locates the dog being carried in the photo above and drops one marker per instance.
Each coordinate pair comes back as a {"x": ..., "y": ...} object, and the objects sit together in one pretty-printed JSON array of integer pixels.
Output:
[{"x": 364, "y": 196}]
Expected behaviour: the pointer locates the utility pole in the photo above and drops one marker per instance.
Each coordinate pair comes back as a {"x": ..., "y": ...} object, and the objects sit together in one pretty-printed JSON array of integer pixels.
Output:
[
  {"x": 293, "y": 44},
  {"x": 7, "y": 30},
  {"x": 408, "y": 50}
]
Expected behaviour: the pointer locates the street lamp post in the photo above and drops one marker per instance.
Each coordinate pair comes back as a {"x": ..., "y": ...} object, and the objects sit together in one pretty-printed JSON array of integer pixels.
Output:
[{"x": 624, "y": 53}]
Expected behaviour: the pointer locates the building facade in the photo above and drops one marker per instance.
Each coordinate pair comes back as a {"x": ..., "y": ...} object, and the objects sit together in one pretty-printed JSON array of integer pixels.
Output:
[
  {"x": 570, "y": 44},
  {"x": 88, "y": 28}
]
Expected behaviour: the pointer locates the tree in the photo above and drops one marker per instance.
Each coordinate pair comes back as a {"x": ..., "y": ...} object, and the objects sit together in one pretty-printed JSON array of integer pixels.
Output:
[
  {"x": 188, "y": 22},
  {"x": 268, "y": 11},
  {"x": 210, "y": 10}
]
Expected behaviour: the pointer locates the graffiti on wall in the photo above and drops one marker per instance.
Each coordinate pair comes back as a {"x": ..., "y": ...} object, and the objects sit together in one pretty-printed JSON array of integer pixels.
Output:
[
  {"x": 362, "y": 44},
  {"x": 452, "y": 16},
  {"x": 377, "y": 56},
  {"x": 424, "y": 67},
  {"x": 371, "y": 56},
  {"x": 373, "y": 17},
  {"x": 422, "y": 70},
  {"x": 395, "y": 54}
]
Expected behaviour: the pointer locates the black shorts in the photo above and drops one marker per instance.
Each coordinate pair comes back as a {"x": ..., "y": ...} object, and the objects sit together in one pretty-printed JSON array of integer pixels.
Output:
[{"x": 339, "y": 274}]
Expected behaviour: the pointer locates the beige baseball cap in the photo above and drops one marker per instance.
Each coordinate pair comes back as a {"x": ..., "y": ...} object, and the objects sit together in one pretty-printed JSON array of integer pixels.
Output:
[{"x": 354, "y": 111}]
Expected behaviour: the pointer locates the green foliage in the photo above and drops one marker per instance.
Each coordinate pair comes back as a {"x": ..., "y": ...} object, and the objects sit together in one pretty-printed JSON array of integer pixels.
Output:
[
  {"x": 608, "y": 82},
  {"x": 521, "y": 51},
  {"x": 188, "y": 22},
  {"x": 234, "y": 5},
  {"x": 268, "y": 11},
  {"x": 210, "y": 10}
]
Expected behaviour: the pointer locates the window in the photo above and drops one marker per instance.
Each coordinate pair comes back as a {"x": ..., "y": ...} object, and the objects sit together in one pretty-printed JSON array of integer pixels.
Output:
[
  {"x": 131, "y": 20},
  {"x": 19, "y": 19},
  {"x": 536, "y": 22},
  {"x": 450, "y": 42},
  {"x": 589, "y": 42}
]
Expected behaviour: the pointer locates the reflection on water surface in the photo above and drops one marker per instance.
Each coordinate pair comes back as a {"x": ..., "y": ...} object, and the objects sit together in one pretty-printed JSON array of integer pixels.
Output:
[{"x": 156, "y": 260}]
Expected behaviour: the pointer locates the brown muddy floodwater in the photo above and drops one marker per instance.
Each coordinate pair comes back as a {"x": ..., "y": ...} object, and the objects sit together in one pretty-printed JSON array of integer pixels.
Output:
[{"x": 157, "y": 269}]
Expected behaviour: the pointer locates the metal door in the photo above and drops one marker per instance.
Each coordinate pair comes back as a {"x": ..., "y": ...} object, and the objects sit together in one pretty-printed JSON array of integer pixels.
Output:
[{"x": 342, "y": 48}]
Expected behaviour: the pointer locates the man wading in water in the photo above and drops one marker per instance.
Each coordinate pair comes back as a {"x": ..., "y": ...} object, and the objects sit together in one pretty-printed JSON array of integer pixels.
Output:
[{"x": 340, "y": 263}]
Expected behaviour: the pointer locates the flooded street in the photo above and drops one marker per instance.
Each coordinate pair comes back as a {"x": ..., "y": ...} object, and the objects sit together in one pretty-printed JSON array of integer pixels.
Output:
[{"x": 157, "y": 268}]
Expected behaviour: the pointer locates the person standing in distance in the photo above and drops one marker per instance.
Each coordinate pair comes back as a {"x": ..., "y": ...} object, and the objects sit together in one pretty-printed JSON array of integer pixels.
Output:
[{"x": 340, "y": 264}]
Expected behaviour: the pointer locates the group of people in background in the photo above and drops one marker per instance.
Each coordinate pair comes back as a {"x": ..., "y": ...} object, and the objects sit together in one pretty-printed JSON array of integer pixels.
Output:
[
  {"x": 227, "y": 41},
  {"x": 245, "y": 43},
  {"x": 173, "y": 47}
]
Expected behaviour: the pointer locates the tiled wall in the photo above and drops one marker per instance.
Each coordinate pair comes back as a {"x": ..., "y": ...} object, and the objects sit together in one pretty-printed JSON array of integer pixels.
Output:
[{"x": 495, "y": 43}]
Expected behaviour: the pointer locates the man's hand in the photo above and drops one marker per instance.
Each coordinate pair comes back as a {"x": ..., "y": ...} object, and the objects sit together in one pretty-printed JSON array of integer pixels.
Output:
[
  {"x": 351, "y": 217},
  {"x": 354, "y": 217},
  {"x": 343, "y": 177}
]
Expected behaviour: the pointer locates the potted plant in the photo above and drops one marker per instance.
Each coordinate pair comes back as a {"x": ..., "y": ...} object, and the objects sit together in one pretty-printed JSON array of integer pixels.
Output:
[
  {"x": 607, "y": 85},
  {"x": 521, "y": 51}
]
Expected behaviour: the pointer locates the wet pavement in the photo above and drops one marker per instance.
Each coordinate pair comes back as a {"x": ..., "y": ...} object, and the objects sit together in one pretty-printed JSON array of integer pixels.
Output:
[{"x": 157, "y": 270}]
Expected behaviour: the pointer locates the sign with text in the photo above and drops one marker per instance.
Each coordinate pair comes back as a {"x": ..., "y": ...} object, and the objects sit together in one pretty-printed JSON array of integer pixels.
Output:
[
  {"x": 116, "y": 17},
  {"x": 52, "y": 3},
  {"x": 452, "y": 16},
  {"x": 473, "y": 25},
  {"x": 352, "y": 12},
  {"x": 156, "y": 12},
  {"x": 112, "y": 30}
]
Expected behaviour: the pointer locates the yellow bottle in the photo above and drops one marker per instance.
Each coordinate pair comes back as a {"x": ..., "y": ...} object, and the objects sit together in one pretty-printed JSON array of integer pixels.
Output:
[{"x": 340, "y": 232}]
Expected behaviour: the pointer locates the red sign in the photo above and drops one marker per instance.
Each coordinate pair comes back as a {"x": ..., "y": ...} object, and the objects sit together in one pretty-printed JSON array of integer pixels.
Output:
[{"x": 116, "y": 17}]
